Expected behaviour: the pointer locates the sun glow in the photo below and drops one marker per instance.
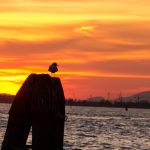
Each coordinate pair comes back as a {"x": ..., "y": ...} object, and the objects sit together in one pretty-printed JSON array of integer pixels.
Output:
[{"x": 9, "y": 87}]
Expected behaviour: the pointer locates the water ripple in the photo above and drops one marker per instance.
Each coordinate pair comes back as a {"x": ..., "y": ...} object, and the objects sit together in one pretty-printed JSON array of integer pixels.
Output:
[{"x": 89, "y": 128}]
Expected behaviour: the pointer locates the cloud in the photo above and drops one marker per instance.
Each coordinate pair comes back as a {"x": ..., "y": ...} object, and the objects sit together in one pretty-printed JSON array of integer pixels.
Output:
[
  {"x": 104, "y": 37},
  {"x": 84, "y": 29},
  {"x": 101, "y": 86},
  {"x": 75, "y": 11},
  {"x": 106, "y": 42},
  {"x": 120, "y": 68}
]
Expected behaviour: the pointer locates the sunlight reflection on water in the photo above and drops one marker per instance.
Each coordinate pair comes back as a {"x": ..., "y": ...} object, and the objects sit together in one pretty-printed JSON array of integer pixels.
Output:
[{"x": 91, "y": 128}]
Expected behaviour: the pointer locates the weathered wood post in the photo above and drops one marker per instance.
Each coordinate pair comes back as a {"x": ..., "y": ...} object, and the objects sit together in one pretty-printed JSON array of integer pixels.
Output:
[
  {"x": 48, "y": 112},
  {"x": 39, "y": 103},
  {"x": 19, "y": 121}
]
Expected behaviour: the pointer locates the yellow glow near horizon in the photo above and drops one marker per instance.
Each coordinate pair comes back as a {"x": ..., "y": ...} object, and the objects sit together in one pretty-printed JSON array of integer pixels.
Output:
[
  {"x": 9, "y": 87},
  {"x": 11, "y": 84},
  {"x": 11, "y": 80}
]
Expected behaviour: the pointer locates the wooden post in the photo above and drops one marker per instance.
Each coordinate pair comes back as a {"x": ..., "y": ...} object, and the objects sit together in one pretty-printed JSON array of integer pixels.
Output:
[
  {"x": 39, "y": 103},
  {"x": 48, "y": 112}
]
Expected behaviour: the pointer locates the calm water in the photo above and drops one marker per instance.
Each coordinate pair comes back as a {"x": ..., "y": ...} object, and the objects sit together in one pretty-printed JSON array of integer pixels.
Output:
[{"x": 90, "y": 128}]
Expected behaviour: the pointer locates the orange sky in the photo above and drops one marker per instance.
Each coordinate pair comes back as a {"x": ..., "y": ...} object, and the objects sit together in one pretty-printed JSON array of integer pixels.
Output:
[{"x": 101, "y": 46}]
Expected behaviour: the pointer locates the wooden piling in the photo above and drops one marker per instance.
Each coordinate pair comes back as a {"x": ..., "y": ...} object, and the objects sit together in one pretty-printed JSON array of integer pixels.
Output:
[
  {"x": 48, "y": 112},
  {"x": 39, "y": 103}
]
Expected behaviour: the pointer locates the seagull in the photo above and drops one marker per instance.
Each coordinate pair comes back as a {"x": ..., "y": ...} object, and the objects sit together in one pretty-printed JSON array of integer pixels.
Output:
[{"x": 53, "y": 68}]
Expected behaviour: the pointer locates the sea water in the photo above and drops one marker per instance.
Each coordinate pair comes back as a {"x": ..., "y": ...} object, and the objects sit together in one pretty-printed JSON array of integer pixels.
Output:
[{"x": 97, "y": 128}]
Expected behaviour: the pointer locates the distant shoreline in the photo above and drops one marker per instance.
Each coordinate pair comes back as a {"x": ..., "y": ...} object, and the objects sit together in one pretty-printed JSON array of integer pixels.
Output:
[
  {"x": 140, "y": 100},
  {"x": 91, "y": 105},
  {"x": 138, "y": 107}
]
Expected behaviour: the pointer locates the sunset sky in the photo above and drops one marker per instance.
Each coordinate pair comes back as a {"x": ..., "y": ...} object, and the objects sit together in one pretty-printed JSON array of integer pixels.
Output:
[{"x": 101, "y": 46}]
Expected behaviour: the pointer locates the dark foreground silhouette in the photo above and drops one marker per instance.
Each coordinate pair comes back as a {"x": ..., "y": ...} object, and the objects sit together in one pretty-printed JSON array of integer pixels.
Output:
[{"x": 39, "y": 103}]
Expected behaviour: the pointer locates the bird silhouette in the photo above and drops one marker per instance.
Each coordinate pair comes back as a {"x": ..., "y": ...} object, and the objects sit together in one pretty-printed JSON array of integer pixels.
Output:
[{"x": 53, "y": 68}]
